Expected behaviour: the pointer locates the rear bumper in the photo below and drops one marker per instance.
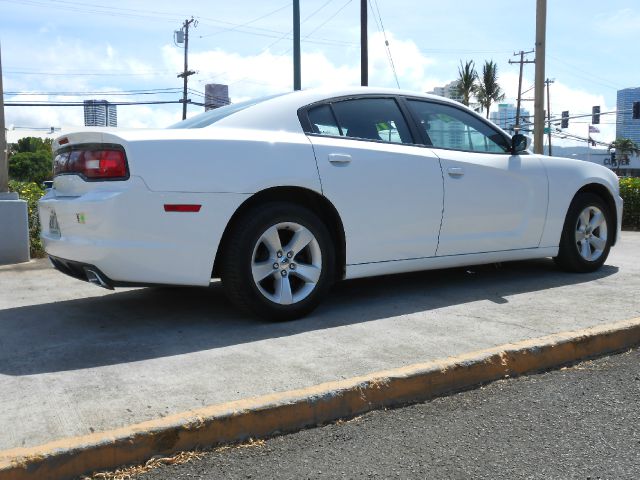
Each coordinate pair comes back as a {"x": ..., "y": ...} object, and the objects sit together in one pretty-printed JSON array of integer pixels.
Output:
[
  {"x": 82, "y": 271},
  {"x": 128, "y": 237},
  {"x": 90, "y": 273}
]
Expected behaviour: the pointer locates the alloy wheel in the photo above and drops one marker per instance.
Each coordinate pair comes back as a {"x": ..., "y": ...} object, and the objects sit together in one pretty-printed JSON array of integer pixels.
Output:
[
  {"x": 286, "y": 263},
  {"x": 591, "y": 233}
]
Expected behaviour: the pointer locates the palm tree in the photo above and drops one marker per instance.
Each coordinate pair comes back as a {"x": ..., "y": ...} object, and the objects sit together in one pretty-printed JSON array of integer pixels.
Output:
[
  {"x": 489, "y": 91},
  {"x": 467, "y": 81},
  {"x": 624, "y": 147}
]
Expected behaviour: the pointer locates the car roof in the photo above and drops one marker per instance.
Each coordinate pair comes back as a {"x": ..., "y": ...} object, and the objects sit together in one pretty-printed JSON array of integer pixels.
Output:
[{"x": 280, "y": 112}]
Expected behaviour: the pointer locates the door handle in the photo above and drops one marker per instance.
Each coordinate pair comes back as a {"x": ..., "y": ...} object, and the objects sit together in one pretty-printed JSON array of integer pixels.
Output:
[
  {"x": 339, "y": 158},
  {"x": 455, "y": 171}
]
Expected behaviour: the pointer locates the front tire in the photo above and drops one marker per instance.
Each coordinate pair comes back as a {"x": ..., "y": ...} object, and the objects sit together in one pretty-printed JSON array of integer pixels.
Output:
[
  {"x": 586, "y": 235},
  {"x": 278, "y": 262}
]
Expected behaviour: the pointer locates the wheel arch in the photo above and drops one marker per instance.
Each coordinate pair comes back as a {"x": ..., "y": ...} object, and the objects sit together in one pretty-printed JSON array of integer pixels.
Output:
[
  {"x": 605, "y": 194},
  {"x": 305, "y": 197}
]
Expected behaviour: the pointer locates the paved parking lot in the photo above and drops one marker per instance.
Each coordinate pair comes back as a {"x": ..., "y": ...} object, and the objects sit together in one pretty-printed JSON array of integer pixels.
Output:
[{"x": 75, "y": 359}]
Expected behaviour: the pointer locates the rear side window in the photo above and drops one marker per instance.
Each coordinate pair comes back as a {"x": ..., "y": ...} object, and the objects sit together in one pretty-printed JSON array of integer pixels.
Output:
[
  {"x": 323, "y": 122},
  {"x": 377, "y": 119}
]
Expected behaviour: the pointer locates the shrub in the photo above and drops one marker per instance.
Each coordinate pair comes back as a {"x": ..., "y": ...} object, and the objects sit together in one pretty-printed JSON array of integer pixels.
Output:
[
  {"x": 31, "y": 166},
  {"x": 31, "y": 192},
  {"x": 630, "y": 193}
]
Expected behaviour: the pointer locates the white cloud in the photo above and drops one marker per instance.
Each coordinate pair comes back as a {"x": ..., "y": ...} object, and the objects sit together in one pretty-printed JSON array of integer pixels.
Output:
[
  {"x": 621, "y": 23},
  {"x": 252, "y": 76},
  {"x": 267, "y": 72}
]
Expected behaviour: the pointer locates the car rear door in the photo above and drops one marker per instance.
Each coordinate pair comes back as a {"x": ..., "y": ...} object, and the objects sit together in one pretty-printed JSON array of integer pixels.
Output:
[
  {"x": 493, "y": 200},
  {"x": 387, "y": 190}
]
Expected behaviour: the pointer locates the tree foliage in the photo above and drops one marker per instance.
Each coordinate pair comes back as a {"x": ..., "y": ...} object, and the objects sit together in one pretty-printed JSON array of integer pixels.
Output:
[
  {"x": 467, "y": 81},
  {"x": 32, "y": 145},
  {"x": 30, "y": 166},
  {"x": 30, "y": 160},
  {"x": 624, "y": 148},
  {"x": 489, "y": 90}
]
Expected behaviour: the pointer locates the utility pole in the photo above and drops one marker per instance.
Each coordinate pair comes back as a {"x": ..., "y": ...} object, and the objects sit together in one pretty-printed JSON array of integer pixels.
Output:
[
  {"x": 364, "y": 47},
  {"x": 547, "y": 82},
  {"x": 186, "y": 72},
  {"x": 522, "y": 61},
  {"x": 4, "y": 164},
  {"x": 538, "y": 107},
  {"x": 297, "y": 75}
]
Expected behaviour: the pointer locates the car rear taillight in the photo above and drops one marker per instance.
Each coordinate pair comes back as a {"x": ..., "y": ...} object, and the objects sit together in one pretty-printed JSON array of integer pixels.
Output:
[{"x": 95, "y": 162}]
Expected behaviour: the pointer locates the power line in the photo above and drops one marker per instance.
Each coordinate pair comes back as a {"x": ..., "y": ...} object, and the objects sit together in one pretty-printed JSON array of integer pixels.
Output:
[
  {"x": 287, "y": 34},
  {"x": 604, "y": 82},
  {"x": 231, "y": 29},
  {"x": 81, "y": 104},
  {"x": 86, "y": 74},
  {"x": 335, "y": 14},
  {"x": 386, "y": 42},
  {"x": 99, "y": 93},
  {"x": 78, "y": 7}
]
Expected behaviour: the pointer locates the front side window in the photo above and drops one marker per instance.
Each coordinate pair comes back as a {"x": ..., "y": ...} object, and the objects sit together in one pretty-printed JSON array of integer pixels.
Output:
[
  {"x": 378, "y": 119},
  {"x": 452, "y": 128}
]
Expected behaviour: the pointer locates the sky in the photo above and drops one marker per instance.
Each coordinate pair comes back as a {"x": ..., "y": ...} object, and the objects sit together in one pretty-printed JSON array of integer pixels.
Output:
[{"x": 53, "y": 50}]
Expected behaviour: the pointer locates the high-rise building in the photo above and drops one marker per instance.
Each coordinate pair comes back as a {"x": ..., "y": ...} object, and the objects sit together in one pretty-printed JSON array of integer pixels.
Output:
[
  {"x": 450, "y": 90},
  {"x": 626, "y": 126},
  {"x": 100, "y": 113},
  {"x": 505, "y": 117},
  {"x": 215, "y": 95}
]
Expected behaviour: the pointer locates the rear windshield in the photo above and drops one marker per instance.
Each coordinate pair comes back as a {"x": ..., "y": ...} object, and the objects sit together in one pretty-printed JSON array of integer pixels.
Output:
[{"x": 212, "y": 116}]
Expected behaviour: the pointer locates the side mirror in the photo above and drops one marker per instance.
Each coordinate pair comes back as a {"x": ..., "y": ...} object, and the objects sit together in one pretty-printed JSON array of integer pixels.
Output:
[{"x": 518, "y": 143}]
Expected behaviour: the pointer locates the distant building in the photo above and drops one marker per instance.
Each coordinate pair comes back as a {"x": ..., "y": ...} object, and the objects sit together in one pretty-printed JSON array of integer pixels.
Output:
[
  {"x": 100, "y": 113},
  {"x": 505, "y": 117},
  {"x": 216, "y": 95},
  {"x": 450, "y": 90},
  {"x": 626, "y": 126}
]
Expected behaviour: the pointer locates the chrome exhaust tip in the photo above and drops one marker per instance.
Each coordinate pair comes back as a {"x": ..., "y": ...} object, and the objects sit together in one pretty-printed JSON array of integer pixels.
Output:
[{"x": 95, "y": 278}]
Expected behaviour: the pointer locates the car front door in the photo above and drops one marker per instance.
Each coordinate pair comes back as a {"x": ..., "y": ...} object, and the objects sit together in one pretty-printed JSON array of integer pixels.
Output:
[
  {"x": 493, "y": 200},
  {"x": 387, "y": 190}
]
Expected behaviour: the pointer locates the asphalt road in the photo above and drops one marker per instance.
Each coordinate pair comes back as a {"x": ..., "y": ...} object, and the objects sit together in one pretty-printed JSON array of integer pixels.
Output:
[{"x": 581, "y": 422}]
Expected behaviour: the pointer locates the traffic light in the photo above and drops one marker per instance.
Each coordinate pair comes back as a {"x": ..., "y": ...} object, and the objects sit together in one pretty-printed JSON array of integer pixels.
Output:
[
  {"x": 565, "y": 119},
  {"x": 595, "y": 115},
  {"x": 636, "y": 110}
]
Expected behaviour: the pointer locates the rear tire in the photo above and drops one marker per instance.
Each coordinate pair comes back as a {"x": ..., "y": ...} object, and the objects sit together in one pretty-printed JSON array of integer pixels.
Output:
[
  {"x": 586, "y": 235},
  {"x": 278, "y": 262}
]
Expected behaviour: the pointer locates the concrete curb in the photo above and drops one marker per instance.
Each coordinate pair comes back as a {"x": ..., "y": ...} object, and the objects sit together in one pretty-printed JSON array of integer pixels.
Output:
[{"x": 289, "y": 411}]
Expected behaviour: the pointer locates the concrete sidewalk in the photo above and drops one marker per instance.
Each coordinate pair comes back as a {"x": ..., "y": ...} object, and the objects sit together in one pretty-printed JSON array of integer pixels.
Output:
[{"x": 75, "y": 359}]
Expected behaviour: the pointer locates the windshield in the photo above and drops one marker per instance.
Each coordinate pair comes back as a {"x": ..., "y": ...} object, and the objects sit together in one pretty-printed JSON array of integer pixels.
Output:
[{"x": 212, "y": 116}]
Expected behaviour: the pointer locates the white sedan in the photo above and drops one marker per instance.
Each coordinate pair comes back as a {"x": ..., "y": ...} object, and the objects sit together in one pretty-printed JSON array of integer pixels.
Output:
[{"x": 282, "y": 196}]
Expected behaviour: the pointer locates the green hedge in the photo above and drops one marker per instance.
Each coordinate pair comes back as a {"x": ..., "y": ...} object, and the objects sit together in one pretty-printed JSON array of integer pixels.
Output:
[
  {"x": 630, "y": 193},
  {"x": 31, "y": 192}
]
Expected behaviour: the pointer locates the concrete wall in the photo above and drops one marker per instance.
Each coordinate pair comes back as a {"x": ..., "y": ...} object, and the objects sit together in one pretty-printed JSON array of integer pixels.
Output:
[{"x": 14, "y": 229}]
